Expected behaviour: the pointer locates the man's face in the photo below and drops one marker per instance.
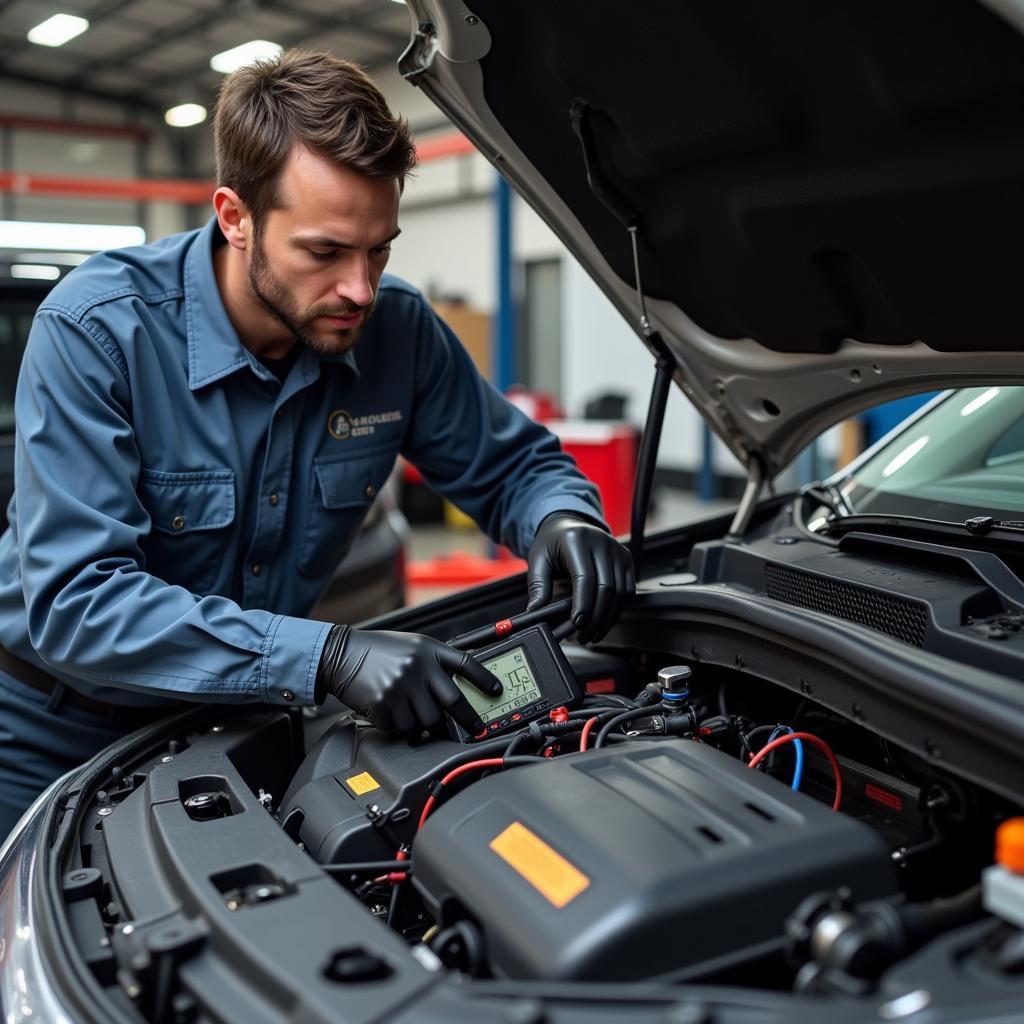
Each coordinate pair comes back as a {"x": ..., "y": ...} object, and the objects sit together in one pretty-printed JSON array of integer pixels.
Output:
[{"x": 316, "y": 260}]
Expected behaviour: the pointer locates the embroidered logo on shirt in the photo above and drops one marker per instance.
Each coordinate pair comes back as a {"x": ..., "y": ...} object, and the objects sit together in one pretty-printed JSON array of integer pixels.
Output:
[{"x": 342, "y": 425}]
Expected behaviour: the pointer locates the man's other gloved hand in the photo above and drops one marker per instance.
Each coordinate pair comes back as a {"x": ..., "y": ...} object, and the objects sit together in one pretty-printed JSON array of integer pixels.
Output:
[
  {"x": 400, "y": 681},
  {"x": 598, "y": 565}
]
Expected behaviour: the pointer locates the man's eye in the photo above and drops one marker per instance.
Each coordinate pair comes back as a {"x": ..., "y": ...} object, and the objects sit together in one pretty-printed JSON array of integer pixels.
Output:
[
  {"x": 320, "y": 255},
  {"x": 381, "y": 250}
]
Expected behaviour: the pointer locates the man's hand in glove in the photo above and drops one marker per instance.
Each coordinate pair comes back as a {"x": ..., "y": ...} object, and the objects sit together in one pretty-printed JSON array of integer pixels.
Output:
[
  {"x": 400, "y": 681},
  {"x": 598, "y": 565}
]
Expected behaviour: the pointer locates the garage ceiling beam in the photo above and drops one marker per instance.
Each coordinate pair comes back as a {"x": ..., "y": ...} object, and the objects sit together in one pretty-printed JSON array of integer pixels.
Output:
[
  {"x": 354, "y": 20},
  {"x": 123, "y": 58},
  {"x": 132, "y": 100},
  {"x": 74, "y": 71}
]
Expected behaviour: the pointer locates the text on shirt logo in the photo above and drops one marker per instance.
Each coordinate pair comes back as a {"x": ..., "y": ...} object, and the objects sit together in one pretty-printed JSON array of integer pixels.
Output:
[{"x": 342, "y": 425}]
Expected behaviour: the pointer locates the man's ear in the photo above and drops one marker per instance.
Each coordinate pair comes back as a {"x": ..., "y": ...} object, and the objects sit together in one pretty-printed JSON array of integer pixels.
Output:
[{"x": 233, "y": 217}]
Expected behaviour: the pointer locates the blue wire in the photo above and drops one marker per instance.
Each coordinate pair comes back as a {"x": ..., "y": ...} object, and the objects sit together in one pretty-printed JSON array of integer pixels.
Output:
[{"x": 798, "y": 771}]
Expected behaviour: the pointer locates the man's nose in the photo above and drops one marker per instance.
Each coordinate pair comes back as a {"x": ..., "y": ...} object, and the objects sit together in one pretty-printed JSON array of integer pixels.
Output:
[{"x": 354, "y": 283}]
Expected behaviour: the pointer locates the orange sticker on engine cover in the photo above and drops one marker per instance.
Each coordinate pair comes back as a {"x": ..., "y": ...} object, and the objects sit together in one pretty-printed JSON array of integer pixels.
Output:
[
  {"x": 544, "y": 868},
  {"x": 364, "y": 783}
]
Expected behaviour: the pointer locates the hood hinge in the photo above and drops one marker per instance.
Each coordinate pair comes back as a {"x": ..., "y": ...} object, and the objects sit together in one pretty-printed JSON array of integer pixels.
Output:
[{"x": 751, "y": 496}]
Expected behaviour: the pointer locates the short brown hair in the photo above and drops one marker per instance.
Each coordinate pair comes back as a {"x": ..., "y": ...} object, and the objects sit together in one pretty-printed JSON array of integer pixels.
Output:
[{"x": 316, "y": 100}]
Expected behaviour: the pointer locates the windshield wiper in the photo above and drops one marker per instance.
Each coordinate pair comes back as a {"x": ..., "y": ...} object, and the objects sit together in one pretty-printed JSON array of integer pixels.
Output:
[
  {"x": 979, "y": 526},
  {"x": 989, "y": 527}
]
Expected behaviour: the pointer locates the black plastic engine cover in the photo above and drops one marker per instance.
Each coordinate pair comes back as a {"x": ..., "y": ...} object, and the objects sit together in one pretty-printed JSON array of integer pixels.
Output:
[
  {"x": 649, "y": 858},
  {"x": 351, "y": 769}
]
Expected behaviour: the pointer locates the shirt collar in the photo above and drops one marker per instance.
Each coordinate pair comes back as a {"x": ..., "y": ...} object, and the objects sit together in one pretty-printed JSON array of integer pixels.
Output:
[{"x": 214, "y": 348}]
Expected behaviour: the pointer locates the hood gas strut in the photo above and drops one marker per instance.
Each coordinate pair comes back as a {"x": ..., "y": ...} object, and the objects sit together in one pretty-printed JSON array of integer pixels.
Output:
[{"x": 665, "y": 363}]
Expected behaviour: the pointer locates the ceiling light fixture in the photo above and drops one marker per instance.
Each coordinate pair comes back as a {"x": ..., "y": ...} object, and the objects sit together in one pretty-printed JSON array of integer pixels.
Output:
[
  {"x": 35, "y": 272},
  {"x": 242, "y": 56},
  {"x": 27, "y": 234},
  {"x": 56, "y": 31},
  {"x": 184, "y": 115}
]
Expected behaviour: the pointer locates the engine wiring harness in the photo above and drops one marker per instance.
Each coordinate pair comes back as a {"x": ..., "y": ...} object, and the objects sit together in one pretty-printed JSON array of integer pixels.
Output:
[{"x": 660, "y": 711}]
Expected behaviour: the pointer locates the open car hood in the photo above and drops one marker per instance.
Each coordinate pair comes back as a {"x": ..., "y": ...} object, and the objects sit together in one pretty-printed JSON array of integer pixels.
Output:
[{"x": 827, "y": 199}]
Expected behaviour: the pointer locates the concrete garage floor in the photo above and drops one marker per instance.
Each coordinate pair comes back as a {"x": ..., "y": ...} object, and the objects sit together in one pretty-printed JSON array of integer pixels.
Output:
[{"x": 672, "y": 508}]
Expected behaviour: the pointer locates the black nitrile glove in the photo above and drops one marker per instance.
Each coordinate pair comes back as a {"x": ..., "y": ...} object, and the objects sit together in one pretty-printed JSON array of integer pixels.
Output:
[
  {"x": 400, "y": 681},
  {"x": 598, "y": 565}
]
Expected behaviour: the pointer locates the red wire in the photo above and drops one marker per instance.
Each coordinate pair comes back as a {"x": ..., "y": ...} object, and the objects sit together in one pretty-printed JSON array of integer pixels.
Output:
[
  {"x": 815, "y": 741},
  {"x": 427, "y": 808},
  {"x": 591, "y": 722},
  {"x": 485, "y": 762}
]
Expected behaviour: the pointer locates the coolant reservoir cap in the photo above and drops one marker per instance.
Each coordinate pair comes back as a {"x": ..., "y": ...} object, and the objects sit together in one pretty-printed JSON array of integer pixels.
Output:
[{"x": 1010, "y": 845}]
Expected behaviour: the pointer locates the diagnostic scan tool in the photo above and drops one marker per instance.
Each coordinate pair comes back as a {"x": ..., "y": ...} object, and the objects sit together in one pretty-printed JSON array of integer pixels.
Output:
[{"x": 536, "y": 678}]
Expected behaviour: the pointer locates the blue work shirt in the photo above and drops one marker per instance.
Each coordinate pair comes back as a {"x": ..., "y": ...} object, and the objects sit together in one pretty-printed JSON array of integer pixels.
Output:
[{"x": 178, "y": 510}]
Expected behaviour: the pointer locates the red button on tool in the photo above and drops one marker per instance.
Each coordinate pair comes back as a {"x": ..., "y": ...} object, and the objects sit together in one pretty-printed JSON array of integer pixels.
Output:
[
  {"x": 516, "y": 717},
  {"x": 494, "y": 725},
  {"x": 559, "y": 714},
  {"x": 504, "y": 627}
]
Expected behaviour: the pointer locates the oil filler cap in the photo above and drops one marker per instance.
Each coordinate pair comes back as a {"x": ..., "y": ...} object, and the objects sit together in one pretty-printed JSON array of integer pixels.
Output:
[{"x": 1010, "y": 845}]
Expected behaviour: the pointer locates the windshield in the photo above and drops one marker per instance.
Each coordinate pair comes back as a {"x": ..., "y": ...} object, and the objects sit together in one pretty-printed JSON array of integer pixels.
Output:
[{"x": 962, "y": 458}]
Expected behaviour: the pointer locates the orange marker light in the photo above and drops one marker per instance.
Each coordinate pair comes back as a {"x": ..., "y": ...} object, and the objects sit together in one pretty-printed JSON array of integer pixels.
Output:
[{"x": 1010, "y": 845}]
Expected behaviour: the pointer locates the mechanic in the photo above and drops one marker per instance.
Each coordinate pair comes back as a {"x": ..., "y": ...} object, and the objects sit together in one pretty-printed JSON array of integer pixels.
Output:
[{"x": 202, "y": 424}]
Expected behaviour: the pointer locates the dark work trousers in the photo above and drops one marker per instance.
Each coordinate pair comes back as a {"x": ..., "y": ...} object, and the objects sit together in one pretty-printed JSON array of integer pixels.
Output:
[{"x": 39, "y": 742}]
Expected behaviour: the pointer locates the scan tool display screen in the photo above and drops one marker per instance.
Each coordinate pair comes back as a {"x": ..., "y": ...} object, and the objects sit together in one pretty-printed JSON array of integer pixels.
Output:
[{"x": 521, "y": 687}]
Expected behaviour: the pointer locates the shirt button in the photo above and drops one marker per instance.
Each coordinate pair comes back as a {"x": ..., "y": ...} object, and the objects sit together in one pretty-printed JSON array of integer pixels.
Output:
[
  {"x": 371, "y": 491},
  {"x": 287, "y": 695},
  {"x": 257, "y": 569},
  {"x": 273, "y": 499},
  {"x": 178, "y": 523}
]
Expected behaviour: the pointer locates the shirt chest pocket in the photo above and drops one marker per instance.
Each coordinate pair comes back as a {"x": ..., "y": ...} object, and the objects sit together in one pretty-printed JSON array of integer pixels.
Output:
[
  {"x": 190, "y": 514},
  {"x": 342, "y": 492}
]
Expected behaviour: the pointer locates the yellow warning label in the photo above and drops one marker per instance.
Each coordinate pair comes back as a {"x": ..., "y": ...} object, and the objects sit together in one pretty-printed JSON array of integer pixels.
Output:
[
  {"x": 360, "y": 784},
  {"x": 545, "y": 869}
]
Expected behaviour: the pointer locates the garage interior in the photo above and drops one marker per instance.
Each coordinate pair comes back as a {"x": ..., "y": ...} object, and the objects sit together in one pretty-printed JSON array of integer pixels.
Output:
[{"x": 105, "y": 140}]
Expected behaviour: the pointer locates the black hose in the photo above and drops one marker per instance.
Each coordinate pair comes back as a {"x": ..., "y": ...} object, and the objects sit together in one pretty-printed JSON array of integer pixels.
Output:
[
  {"x": 585, "y": 713},
  {"x": 801, "y": 525},
  {"x": 396, "y": 891},
  {"x": 567, "y": 737},
  {"x": 593, "y": 700},
  {"x": 612, "y": 723},
  {"x": 472, "y": 752},
  {"x": 517, "y": 742},
  {"x": 923, "y": 921}
]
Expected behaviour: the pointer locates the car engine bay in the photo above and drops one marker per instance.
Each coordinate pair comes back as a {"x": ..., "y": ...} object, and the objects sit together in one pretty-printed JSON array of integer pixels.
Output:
[{"x": 671, "y": 823}]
